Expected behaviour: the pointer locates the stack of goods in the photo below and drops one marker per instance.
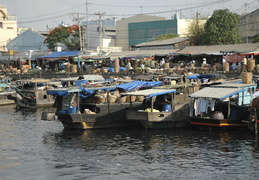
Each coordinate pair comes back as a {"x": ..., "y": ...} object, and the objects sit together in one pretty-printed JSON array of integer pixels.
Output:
[
  {"x": 112, "y": 98},
  {"x": 166, "y": 65},
  {"x": 67, "y": 68},
  {"x": 226, "y": 66},
  {"x": 132, "y": 98},
  {"x": 73, "y": 68},
  {"x": 117, "y": 66},
  {"x": 247, "y": 77},
  {"x": 250, "y": 65}
]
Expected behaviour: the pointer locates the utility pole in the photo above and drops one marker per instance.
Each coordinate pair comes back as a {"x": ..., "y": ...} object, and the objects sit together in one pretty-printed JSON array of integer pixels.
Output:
[
  {"x": 87, "y": 27},
  {"x": 81, "y": 38},
  {"x": 100, "y": 14},
  {"x": 246, "y": 22}
]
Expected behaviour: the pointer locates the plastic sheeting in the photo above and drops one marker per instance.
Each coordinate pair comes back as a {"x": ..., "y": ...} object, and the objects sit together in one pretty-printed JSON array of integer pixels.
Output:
[{"x": 138, "y": 84}]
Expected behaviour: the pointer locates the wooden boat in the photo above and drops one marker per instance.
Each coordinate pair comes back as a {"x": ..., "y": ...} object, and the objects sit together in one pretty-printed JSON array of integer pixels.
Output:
[
  {"x": 156, "y": 112},
  {"x": 253, "y": 121},
  {"x": 83, "y": 108},
  {"x": 6, "y": 91},
  {"x": 33, "y": 93},
  {"x": 224, "y": 105}
]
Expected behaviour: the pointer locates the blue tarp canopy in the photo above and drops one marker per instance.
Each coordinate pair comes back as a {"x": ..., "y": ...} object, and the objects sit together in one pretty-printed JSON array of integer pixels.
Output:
[
  {"x": 197, "y": 76},
  {"x": 138, "y": 84},
  {"x": 150, "y": 92},
  {"x": 59, "y": 54},
  {"x": 84, "y": 92}
]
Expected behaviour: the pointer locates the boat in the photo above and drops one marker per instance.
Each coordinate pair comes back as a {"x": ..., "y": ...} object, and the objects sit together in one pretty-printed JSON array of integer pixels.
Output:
[
  {"x": 31, "y": 93},
  {"x": 157, "y": 110},
  {"x": 94, "y": 107},
  {"x": 6, "y": 91},
  {"x": 225, "y": 105},
  {"x": 253, "y": 121}
]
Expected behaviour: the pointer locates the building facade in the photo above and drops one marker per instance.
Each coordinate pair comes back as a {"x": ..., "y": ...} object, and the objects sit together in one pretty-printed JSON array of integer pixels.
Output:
[
  {"x": 122, "y": 28},
  {"x": 249, "y": 26},
  {"x": 8, "y": 27},
  {"x": 148, "y": 31},
  {"x": 100, "y": 35}
]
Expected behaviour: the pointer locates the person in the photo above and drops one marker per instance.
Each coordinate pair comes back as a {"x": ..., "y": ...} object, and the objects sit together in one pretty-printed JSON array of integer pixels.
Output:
[
  {"x": 244, "y": 61},
  {"x": 142, "y": 67},
  {"x": 129, "y": 67},
  {"x": 204, "y": 62},
  {"x": 162, "y": 62},
  {"x": 223, "y": 60}
]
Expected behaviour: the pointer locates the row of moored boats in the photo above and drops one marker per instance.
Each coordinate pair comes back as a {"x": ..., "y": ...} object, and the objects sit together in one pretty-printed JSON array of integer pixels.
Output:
[{"x": 90, "y": 101}]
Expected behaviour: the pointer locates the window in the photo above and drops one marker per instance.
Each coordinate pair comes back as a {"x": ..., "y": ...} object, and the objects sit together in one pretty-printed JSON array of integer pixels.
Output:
[{"x": 1, "y": 24}]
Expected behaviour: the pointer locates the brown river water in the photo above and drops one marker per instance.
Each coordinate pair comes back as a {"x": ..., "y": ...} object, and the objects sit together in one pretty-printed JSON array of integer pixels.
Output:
[{"x": 31, "y": 149}]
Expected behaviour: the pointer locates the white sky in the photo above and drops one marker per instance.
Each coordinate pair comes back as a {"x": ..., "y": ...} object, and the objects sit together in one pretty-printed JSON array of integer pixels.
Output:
[{"x": 39, "y": 14}]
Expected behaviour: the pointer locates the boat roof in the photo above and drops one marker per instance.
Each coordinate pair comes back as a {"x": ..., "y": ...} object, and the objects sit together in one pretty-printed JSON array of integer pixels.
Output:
[
  {"x": 92, "y": 77},
  {"x": 70, "y": 78},
  {"x": 216, "y": 93},
  {"x": 75, "y": 89},
  {"x": 138, "y": 84},
  {"x": 150, "y": 92},
  {"x": 36, "y": 80},
  {"x": 235, "y": 85}
]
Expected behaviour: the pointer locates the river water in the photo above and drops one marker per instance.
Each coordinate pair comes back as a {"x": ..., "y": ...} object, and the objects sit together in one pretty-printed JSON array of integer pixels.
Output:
[{"x": 31, "y": 149}]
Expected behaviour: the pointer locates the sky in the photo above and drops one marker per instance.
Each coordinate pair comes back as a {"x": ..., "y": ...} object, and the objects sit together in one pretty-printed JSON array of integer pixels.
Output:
[{"x": 43, "y": 15}]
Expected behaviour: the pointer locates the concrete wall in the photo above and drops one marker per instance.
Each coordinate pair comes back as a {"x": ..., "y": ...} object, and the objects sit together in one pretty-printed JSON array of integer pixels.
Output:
[{"x": 8, "y": 27}]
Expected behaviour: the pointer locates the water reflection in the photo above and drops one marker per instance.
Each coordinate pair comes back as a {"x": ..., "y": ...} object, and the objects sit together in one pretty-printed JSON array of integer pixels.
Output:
[{"x": 50, "y": 152}]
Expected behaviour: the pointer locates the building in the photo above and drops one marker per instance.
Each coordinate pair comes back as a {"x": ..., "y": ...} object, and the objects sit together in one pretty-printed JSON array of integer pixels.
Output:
[
  {"x": 100, "y": 35},
  {"x": 28, "y": 40},
  {"x": 140, "y": 32},
  {"x": 122, "y": 28},
  {"x": 249, "y": 26},
  {"x": 8, "y": 27}
]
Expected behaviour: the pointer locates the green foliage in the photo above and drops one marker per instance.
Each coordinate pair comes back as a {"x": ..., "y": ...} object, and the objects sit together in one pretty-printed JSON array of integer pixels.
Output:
[
  {"x": 196, "y": 32},
  {"x": 167, "y": 36},
  {"x": 221, "y": 28},
  {"x": 256, "y": 38},
  {"x": 69, "y": 36}
]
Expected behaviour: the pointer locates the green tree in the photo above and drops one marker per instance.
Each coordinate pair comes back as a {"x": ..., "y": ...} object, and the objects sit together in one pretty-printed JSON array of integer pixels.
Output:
[
  {"x": 166, "y": 36},
  {"x": 196, "y": 32},
  {"x": 221, "y": 28},
  {"x": 69, "y": 36}
]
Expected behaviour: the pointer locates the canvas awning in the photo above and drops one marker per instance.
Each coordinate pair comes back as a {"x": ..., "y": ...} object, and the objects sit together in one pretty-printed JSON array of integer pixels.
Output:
[
  {"x": 216, "y": 93},
  {"x": 150, "y": 92}
]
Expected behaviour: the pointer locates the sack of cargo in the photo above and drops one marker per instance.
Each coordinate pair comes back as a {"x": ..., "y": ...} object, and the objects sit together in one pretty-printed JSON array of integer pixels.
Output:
[
  {"x": 247, "y": 77},
  {"x": 121, "y": 99}
]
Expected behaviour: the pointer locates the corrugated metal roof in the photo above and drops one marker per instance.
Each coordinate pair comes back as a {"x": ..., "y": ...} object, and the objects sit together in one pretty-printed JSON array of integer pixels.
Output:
[
  {"x": 217, "y": 49},
  {"x": 148, "y": 53},
  {"x": 234, "y": 85},
  {"x": 94, "y": 78},
  {"x": 163, "y": 42},
  {"x": 216, "y": 93},
  {"x": 150, "y": 92}
]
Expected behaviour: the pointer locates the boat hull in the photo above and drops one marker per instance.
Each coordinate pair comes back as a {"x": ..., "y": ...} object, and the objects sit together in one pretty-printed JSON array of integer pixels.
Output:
[
  {"x": 158, "y": 120},
  {"x": 209, "y": 122},
  {"x": 106, "y": 118}
]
